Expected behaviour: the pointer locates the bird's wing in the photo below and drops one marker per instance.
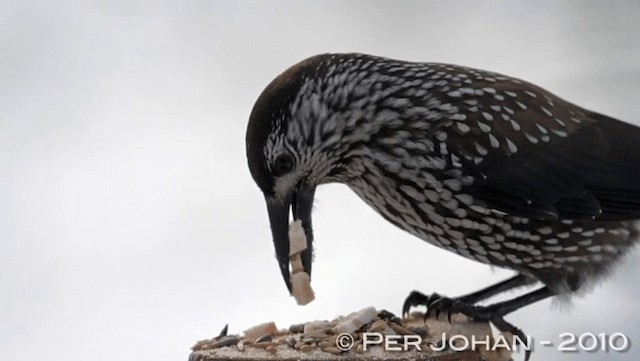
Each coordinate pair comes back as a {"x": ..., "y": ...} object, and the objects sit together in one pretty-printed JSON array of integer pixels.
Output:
[{"x": 535, "y": 155}]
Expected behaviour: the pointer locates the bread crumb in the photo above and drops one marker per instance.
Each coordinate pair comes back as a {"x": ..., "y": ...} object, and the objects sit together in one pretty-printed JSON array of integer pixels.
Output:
[
  {"x": 297, "y": 238},
  {"x": 296, "y": 264},
  {"x": 300, "y": 280},
  {"x": 301, "y": 286},
  {"x": 355, "y": 320},
  {"x": 268, "y": 328}
]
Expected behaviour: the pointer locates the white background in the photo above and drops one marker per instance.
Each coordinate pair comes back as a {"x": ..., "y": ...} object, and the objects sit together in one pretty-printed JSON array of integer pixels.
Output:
[{"x": 129, "y": 224}]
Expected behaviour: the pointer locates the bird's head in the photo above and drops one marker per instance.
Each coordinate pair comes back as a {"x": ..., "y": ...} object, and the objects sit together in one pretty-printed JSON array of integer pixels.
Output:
[
  {"x": 285, "y": 157},
  {"x": 314, "y": 124}
]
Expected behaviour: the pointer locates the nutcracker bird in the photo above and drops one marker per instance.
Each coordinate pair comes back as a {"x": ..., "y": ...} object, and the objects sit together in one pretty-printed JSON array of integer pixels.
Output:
[{"x": 488, "y": 166}]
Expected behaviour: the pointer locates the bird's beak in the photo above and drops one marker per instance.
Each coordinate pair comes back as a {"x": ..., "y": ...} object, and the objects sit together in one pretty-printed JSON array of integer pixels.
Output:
[{"x": 300, "y": 202}]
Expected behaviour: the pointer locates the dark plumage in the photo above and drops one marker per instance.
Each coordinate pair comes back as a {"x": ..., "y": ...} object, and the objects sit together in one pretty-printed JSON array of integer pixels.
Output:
[{"x": 485, "y": 165}]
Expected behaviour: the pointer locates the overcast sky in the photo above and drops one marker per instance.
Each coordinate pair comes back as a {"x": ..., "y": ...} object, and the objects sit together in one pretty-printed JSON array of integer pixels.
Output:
[{"x": 129, "y": 224}]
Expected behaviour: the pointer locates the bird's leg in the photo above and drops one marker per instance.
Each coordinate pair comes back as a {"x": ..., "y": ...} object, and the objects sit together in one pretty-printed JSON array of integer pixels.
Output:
[
  {"x": 495, "y": 313},
  {"x": 437, "y": 303},
  {"x": 444, "y": 304},
  {"x": 498, "y": 310},
  {"x": 506, "y": 285}
]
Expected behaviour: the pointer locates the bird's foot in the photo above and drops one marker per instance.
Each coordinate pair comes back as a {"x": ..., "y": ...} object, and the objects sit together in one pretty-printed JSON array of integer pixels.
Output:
[{"x": 436, "y": 304}]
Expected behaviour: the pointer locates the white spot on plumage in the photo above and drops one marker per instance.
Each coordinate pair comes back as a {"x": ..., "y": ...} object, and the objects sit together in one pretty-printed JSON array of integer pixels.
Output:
[
  {"x": 595, "y": 249},
  {"x": 450, "y": 204},
  {"x": 453, "y": 184},
  {"x": 487, "y": 116},
  {"x": 488, "y": 239},
  {"x": 458, "y": 116},
  {"x": 469, "y": 224},
  {"x": 457, "y": 235},
  {"x": 480, "y": 149},
  {"x": 479, "y": 209},
  {"x": 445, "y": 106},
  {"x": 560, "y": 133},
  {"x": 512, "y": 245},
  {"x": 494, "y": 141},
  {"x": 542, "y": 129},
  {"x": 484, "y": 127},
  {"x": 464, "y": 198},
  {"x": 453, "y": 222},
  {"x": 436, "y": 218},
  {"x": 413, "y": 193},
  {"x": 585, "y": 242},
  {"x": 464, "y": 128},
  {"x": 588, "y": 234},
  {"x": 512, "y": 147},
  {"x": 521, "y": 105},
  {"x": 531, "y": 138},
  {"x": 460, "y": 213},
  {"x": 432, "y": 195},
  {"x": 545, "y": 230},
  {"x": 443, "y": 148}
]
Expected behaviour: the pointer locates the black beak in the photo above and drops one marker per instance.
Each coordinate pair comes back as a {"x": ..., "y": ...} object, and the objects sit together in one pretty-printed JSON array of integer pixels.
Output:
[{"x": 301, "y": 202}]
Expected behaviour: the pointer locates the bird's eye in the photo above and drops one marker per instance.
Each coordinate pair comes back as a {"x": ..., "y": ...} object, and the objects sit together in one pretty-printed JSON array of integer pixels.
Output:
[{"x": 282, "y": 165}]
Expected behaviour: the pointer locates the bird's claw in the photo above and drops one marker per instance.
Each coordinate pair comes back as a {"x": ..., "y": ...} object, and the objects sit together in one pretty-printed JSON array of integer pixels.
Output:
[
  {"x": 505, "y": 326},
  {"x": 435, "y": 303},
  {"x": 414, "y": 299}
]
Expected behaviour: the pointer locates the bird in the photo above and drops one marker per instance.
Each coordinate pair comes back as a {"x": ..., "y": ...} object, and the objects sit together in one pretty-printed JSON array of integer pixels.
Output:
[{"x": 485, "y": 165}]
